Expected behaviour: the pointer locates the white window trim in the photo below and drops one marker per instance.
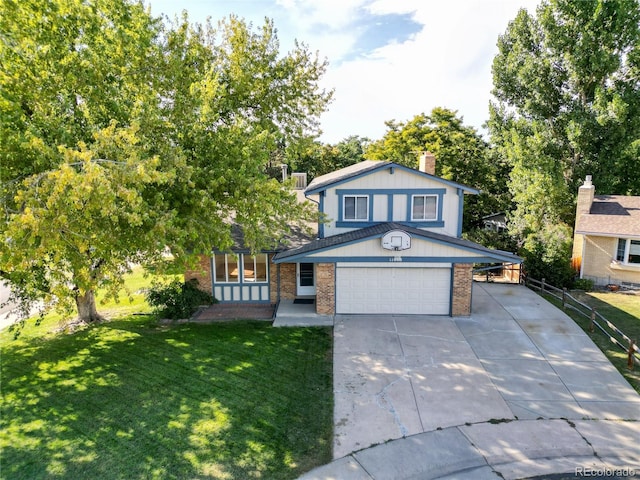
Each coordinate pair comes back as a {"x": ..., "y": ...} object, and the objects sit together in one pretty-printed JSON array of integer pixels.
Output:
[
  {"x": 255, "y": 268},
  {"x": 226, "y": 269},
  {"x": 240, "y": 257},
  {"x": 344, "y": 208},
  {"x": 627, "y": 251},
  {"x": 424, "y": 195}
]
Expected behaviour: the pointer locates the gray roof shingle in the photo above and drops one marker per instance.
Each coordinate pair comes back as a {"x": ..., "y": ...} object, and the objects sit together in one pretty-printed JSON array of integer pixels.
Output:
[{"x": 611, "y": 216}]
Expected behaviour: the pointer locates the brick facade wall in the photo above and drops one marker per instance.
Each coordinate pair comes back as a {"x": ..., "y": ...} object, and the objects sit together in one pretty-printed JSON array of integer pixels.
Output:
[
  {"x": 462, "y": 284},
  {"x": 201, "y": 272},
  {"x": 326, "y": 288},
  {"x": 287, "y": 280},
  {"x": 599, "y": 253},
  {"x": 586, "y": 194},
  {"x": 273, "y": 280}
]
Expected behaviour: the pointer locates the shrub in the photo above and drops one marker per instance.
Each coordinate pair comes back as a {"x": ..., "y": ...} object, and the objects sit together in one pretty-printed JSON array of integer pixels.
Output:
[
  {"x": 583, "y": 284},
  {"x": 177, "y": 299},
  {"x": 547, "y": 254}
]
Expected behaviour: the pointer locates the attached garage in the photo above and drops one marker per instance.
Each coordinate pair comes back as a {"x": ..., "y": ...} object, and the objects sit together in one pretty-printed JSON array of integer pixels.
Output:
[
  {"x": 393, "y": 290},
  {"x": 390, "y": 268}
]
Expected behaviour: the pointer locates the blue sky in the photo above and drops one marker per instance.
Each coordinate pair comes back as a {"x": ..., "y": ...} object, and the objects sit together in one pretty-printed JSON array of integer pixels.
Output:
[{"x": 388, "y": 59}]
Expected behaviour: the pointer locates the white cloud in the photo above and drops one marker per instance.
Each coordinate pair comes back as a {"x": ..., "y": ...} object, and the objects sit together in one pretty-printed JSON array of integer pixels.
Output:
[
  {"x": 445, "y": 61},
  {"x": 448, "y": 64},
  {"x": 335, "y": 14}
]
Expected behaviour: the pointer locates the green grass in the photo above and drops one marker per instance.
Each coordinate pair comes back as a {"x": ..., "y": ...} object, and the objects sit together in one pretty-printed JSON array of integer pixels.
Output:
[
  {"x": 129, "y": 399},
  {"x": 621, "y": 309},
  {"x": 131, "y": 300},
  {"x": 617, "y": 305}
]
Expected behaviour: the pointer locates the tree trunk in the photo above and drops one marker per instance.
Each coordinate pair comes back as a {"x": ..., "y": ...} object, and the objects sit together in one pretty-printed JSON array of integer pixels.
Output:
[{"x": 87, "y": 311}]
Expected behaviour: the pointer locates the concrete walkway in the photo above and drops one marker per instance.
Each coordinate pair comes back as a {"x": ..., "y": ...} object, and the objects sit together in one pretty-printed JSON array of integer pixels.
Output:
[
  {"x": 291, "y": 314},
  {"x": 514, "y": 391}
]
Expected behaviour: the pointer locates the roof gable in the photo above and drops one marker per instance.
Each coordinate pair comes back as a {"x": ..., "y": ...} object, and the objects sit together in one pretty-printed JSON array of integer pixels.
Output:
[
  {"x": 377, "y": 231},
  {"x": 611, "y": 216},
  {"x": 368, "y": 167}
]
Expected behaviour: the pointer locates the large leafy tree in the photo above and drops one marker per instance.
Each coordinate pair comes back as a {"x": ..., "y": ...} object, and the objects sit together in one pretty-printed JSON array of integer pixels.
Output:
[
  {"x": 121, "y": 137},
  {"x": 77, "y": 97},
  {"x": 236, "y": 101},
  {"x": 318, "y": 158},
  {"x": 567, "y": 103},
  {"x": 461, "y": 156}
]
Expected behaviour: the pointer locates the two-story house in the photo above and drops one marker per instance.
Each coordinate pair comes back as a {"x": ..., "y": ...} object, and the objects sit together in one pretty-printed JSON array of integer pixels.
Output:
[
  {"x": 391, "y": 244},
  {"x": 606, "y": 241}
]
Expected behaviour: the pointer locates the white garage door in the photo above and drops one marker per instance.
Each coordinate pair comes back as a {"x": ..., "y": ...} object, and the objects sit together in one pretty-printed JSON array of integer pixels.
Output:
[{"x": 393, "y": 290}]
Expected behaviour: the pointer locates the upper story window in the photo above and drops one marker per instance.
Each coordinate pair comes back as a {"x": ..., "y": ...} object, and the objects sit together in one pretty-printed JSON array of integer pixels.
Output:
[
  {"x": 628, "y": 251},
  {"x": 356, "y": 208},
  {"x": 424, "y": 207}
]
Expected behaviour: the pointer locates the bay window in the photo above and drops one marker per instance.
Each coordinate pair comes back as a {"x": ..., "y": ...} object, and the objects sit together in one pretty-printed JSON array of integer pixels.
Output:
[{"x": 234, "y": 268}]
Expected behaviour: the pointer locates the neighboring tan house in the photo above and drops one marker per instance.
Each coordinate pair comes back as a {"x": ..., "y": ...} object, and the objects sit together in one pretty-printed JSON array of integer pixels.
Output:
[
  {"x": 391, "y": 244},
  {"x": 606, "y": 240}
]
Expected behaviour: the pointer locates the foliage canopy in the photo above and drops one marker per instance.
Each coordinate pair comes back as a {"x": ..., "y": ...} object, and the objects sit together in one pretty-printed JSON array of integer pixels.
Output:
[
  {"x": 121, "y": 136},
  {"x": 567, "y": 104}
]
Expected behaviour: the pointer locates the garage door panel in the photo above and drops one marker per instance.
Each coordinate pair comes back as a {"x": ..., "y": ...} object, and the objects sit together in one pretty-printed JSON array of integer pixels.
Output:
[{"x": 393, "y": 290}]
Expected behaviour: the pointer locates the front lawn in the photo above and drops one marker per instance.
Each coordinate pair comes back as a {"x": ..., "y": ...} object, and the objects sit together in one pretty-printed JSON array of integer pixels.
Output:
[
  {"x": 131, "y": 300},
  {"x": 129, "y": 399}
]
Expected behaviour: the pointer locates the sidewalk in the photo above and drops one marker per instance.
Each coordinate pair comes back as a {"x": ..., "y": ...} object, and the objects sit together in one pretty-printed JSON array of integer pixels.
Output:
[
  {"x": 515, "y": 390},
  {"x": 513, "y": 450}
]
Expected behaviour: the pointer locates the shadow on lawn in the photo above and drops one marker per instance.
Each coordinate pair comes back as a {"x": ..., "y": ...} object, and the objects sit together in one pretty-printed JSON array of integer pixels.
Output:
[{"x": 128, "y": 400}]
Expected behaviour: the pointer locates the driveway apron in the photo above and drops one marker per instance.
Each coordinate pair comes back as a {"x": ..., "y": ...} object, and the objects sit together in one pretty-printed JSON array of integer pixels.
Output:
[{"x": 516, "y": 357}]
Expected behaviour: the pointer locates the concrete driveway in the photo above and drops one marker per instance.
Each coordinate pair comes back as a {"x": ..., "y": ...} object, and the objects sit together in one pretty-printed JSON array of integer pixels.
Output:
[{"x": 515, "y": 360}]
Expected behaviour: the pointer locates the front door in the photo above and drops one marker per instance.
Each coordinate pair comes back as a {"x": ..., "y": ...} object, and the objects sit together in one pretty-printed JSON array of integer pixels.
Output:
[{"x": 306, "y": 282}]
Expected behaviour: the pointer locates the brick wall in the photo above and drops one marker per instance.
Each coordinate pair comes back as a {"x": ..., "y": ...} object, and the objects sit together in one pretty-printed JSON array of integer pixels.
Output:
[
  {"x": 273, "y": 280},
  {"x": 427, "y": 163},
  {"x": 287, "y": 280},
  {"x": 326, "y": 288},
  {"x": 462, "y": 283},
  {"x": 599, "y": 254},
  {"x": 586, "y": 194},
  {"x": 201, "y": 271},
  {"x": 599, "y": 251}
]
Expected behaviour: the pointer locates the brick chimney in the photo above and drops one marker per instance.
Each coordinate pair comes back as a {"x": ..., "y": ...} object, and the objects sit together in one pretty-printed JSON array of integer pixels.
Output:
[
  {"x": 427, "y": 163},
  {"x": 586, "y": 192}
]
